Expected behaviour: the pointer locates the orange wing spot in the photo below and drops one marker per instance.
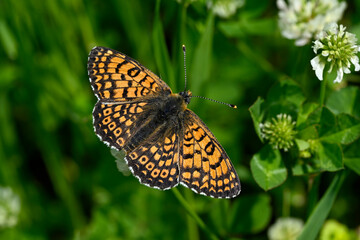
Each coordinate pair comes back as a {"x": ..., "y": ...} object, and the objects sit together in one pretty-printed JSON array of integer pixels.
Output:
[
  {"x": 118, "y": 108},
  {"x": 121, "y": 84},
  {"x": 102, "y": 70},
  {"x": 99, "y": 85},
  {"x": 171, "y": 179},
  {"x": 117, "y": 132},
  {"x": 212, "y": 189},
  {"x": 167, "y": 140},
  {"x": 188, "y": 134},
  {"x": 101, "y": 65},
  {"x": 143, "y": 160},
  {"x": 213, "y": 173},
  {"x": 112, "y": 65},
  {"x": 157, "y": 157},
  {"x": 204, "y": 142},
  {"x": 161, "y": 163},
  {"x": 142, "y": 104},
  {"x": 131, "y": 92},
  {"x": 106, "y": 120},
  {"x": 212, "y": 182},
  {"x": 187, "y": 150},
  {"x": 206, "y": 166},
  {"x": 116, "y": 76},
  {"x": 220, "y": 183},
  {"x": 226, "y": 188},
  {"x": 105, "y": 131},
  {"x": 173, "y": 171},
  {"x": 133, "y": 155},
  {"x": 116, "y": 115},
  {"x": 196, "y": 183},
  {"x": 108, "y": 53},
  {"x": 150, "y": 166},
  {"x": 197, "y": 160},
  {"x": 122, "y": 119},
  {"x": 196, "y": 174},
  {"x": 199, "y": 134},
  {"x": 164, "y": 173},
  {"x": 218, "y": 171},
  {"x": 216, "y": 153},
  {"x": 205, "y": 185},
  {"x": 153, "y": 149},
  {"x": 168, "y": 147},
  {"x": 128, "y": 122},
  {"x": 147, "y": 83},
  {"x": 106, "y": 77},
  {"x": 133, "y": 109},
  {"x": 187, "y": 163},
  {"x": 103, "y": 59},
  {"x": 112, "y": 126},
  {"x": 111, "y": 70},
  {"x": 168, "y": 162},
  {"x": 186, "y": 175},
  {"x": 144, "y": 172},
  {"x": 106, "y": 94},
  {"x": 232, "y": 185},
  {"x": 120, "y": 141},
  {"x": 205, "y": 178},
  {"x": 117, "y": 60},
  {"x": 224, "y": 167},
  {"x": 98, "y": 78},
  {"x": 118, "y": 93},
  {"x": 107, "y": 84},
  {"x": 155, "y": 173}
]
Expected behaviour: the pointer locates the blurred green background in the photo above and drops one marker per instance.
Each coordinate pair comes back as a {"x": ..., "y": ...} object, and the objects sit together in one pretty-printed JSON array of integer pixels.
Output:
[{"x": 67, "y": 180}]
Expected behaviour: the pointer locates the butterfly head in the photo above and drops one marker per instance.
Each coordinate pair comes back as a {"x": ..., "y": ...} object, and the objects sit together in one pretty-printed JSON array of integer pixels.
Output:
[{"x": 186, "y": 95}]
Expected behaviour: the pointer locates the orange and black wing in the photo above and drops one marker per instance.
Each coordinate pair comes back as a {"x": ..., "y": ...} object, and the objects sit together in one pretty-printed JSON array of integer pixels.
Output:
[
  {"x": 204, "y": 165},
  {"x": 155, "y": 163},
  {"x": 117, "y": 77},
  {"x": 115, "y": 123}
]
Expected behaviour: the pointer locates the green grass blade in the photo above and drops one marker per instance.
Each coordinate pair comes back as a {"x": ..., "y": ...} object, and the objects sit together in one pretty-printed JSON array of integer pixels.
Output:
[
  {"x": 160, "y": 50},
  {"x": 201, "y": 64},
  {"x": 318, "y": 216}
]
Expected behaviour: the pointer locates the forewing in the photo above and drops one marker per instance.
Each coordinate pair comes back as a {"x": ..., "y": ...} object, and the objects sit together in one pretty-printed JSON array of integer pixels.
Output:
[
  {"x": 117, "y": 77},
  {"x": 155, "y": 163},
  {"x": 114, "y": 123},
  {"x": 204, "y": 165}
]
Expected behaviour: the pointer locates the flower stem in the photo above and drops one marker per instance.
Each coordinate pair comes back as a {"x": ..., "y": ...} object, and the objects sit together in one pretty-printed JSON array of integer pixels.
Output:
[
  {"x": 193, "y": 214},
  {"x": 323, "y": 90}
]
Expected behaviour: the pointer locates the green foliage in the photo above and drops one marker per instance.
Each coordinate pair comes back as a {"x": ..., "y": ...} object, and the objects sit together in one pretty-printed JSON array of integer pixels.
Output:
[{"x": 68, "y": 181}]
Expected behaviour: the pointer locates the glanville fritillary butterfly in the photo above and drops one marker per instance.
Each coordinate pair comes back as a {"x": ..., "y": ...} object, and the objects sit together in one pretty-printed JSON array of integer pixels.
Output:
[{"x": 165, "y": 143}]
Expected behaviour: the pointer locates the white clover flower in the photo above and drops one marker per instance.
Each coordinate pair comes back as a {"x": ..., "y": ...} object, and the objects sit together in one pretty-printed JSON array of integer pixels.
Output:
[
  {"x": 225, "y": 8},
  {"x": 286, "y": 229},
  {"x": 9, "y": 207},
  {"x": 337, "y": 48},
  {"x": 303, "y": 19},
  {"x": 280, "y": 132}
]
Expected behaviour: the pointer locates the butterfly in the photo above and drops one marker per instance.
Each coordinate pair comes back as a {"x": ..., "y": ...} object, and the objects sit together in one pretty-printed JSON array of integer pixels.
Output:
[{"x": 165, "y": 143}]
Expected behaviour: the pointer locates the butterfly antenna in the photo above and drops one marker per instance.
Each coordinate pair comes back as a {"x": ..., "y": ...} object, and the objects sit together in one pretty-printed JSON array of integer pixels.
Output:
[
  {"x": 184, "y": 51},
  {"x": 227, "y": 104}
]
